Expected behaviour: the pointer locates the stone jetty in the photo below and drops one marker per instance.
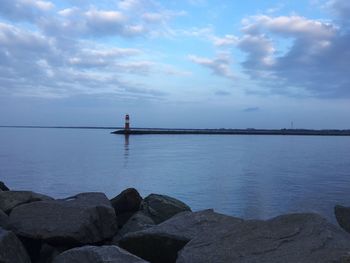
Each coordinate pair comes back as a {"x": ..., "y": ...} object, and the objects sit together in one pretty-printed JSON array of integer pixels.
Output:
[{"x": 90, "y": 228}]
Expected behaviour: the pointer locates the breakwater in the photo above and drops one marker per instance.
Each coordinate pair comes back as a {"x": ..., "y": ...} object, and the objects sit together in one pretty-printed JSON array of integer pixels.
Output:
[
  {"x": 90, "y": 228},
  {"x": 140, "y": 131}
]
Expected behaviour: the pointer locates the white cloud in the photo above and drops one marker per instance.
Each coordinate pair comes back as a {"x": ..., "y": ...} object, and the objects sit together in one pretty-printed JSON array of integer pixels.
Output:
[
  {"x": 314, "y": 61},
  {"x": 220, "y": 65}
]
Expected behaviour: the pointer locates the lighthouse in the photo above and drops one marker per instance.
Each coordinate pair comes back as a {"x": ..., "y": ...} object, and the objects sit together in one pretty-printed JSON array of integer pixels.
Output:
[{"x": 127, "y": 123}]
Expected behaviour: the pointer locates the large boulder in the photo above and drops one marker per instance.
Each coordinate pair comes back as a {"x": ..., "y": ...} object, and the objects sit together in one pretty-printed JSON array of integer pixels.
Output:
[
  {"x": 11, "y": 199},
  {"x": 86, "y": 218},
  {"x": 161, "y": 243},
  {"x": 128, "y": 200},
  {"x": 139, "y": 221},
  {"x": 301, "y": 238},
  {"x": 4, "y": 220},
  {"x": 126, "y": 204},
  {"x": 94, "y": 254},
  {"x": 342, "y": 215},
  {"x": 162, "y": 207},
  {"x": 3, "y": 187},
  {"x": 11, "y": 248}
]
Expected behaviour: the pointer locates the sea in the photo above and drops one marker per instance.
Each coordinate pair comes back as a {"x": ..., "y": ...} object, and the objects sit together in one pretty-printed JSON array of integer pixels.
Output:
[{"x": 248, "y": 176}]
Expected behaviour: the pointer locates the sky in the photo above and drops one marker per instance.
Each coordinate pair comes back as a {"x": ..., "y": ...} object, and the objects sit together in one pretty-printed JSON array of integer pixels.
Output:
[{"x": 175, "y": 63}]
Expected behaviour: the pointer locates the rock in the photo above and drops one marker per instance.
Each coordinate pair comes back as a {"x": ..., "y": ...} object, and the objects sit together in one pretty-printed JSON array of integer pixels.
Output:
[
  {"x": 4, "y": 220},
  {"x": 126, "y": 204},
  {"x": 3, "y": 187},
  {"x": 161, "y": 243},
  {"x": 139, "y": 221},
  {"x": 301, "y": 238},
  {"x": 48, "y": 253},
  {"x": 127, "y": 201},
  {"x": 162, "y": 207},
  {"x": 86, "y": 218},
  {"x": 11, "y": 199},
  {"x": 342, "y": 215},
  {"x": 11, "y": 249},
  {"x": 93, "y": 254}
]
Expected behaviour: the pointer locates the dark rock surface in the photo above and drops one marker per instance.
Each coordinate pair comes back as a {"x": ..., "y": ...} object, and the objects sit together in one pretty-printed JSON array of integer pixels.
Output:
[
  {"x": 86, "y": 218},
  {"x": 162, "y": 207},
  {"x": 11, "y": 199},
  {"x": 161, "y": 243},
  {"x": 4, "y": 220},
  {"x": 11, "y": 248},
  {"x": 128, "y": 200},
  {"x": 301, "y": 238},
  {"x": 94, "y": 254},
  {"x": 342, "y": 215},
  {"x": 126, "y": 204},
  {"x": 3, "y": 187},
  {"x": 139, "y": 221}
]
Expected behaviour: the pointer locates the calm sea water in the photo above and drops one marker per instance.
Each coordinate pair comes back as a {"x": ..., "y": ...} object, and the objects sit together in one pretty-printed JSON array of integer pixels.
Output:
[{"x": 245, "y": 176}]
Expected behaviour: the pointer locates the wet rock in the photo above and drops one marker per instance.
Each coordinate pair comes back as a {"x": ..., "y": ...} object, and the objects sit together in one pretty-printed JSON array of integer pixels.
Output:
[
  {"x": 161, "y": 243},
  {"x": 4, "y": 220},
  {"x": 162, "y": 207},
  {"x": 301, "y": 238},
  {"x": 93, "y": 254},
  {"x": 11, "y": 199},
  {"x": 342, "y": 215},
  {"x": 139, "y": 221},
  {"x": 86, "y": 218},
  {"x": 11, "y": 248},
  {"x": 3, "y": 187}
]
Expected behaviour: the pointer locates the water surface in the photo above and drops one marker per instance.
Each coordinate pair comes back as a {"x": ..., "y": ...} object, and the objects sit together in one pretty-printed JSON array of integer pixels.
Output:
[{"x": 246, "y": 176}]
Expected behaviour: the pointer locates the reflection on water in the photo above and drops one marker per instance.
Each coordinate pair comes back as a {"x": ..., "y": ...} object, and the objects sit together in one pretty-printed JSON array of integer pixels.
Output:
[
  {"x": 246, "y": 176},
  {"x": 126, "y": 150}
]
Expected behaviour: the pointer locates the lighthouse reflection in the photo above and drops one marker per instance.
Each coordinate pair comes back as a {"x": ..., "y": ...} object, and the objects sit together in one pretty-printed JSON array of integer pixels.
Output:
[{"x": 126, "y": 149}]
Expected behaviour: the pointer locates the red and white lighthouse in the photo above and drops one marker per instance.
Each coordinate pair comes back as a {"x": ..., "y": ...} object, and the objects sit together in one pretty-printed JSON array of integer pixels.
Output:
[{"x": 127, "y": 123}]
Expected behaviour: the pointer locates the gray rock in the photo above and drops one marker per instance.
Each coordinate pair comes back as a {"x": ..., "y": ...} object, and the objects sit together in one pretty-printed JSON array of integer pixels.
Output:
[
  {"x": 162, "y": 207},
  {"x": 161, "y": 243},
  {"x": 139, "y": 221},
  {"x": 11, "y": 249},
  {"x": 301, "y": 238},
  {"x": 86, "y": 218},
  {"x": 342, "y": 215},
  {"x": 11, "y": 199},
  {"x": 4, "y": 220},
  {"x": 127, "y": 201},
  {"x": 3, "y": 187},
  {"x": 126, "y": 204},
  {"x": 93, "y": 254}
]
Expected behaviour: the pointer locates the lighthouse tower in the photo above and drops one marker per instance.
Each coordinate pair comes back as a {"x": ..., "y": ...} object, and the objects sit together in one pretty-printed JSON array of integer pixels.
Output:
[{"x": 127, "y": 123}]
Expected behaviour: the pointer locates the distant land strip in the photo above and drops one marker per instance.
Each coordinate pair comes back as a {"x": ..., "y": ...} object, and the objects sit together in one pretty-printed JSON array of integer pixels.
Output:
[
  {"x": 235, "y": 132},
  {"x": 145, "y": 131},
  {"x": 60, "y": 127}
]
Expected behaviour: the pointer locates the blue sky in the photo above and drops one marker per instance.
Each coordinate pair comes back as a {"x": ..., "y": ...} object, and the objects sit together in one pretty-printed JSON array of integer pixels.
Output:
[{"x": 187, "y": 63}]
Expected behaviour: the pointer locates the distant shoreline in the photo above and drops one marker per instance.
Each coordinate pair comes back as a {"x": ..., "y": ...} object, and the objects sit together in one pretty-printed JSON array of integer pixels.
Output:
[{"x": 164, "y": 131}]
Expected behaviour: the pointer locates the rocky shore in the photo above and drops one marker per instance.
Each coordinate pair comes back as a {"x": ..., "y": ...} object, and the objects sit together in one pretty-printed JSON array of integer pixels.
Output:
[{"x": 89, "y": 228}]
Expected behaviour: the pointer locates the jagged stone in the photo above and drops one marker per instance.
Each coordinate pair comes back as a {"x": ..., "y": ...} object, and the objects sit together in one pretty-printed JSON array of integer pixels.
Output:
[
  {"x": 126, "y": 204},
  {"x": 11, "y": 248},
  {"x": 93, "y": 254},
  {"x": 11, "y": 199},
  {"x": 86, "y": 218},
  {"x": 301, "y": 238},
  {"x": 3, "y": 187},
  {"x": 162, "y": 207},
  {"x": 342, "y": 215},
  {"x": 4, "y": 220},
  {"x": 139, "y": 221},
  {"x": 161, "y": 243}
]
